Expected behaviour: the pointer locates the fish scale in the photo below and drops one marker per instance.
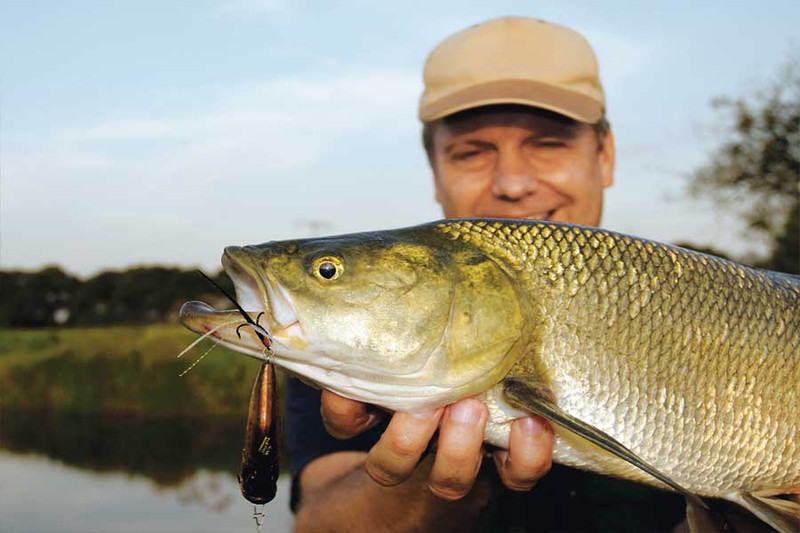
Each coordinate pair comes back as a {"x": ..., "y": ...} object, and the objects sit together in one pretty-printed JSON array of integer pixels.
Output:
[{"x": 655, "y": 294}]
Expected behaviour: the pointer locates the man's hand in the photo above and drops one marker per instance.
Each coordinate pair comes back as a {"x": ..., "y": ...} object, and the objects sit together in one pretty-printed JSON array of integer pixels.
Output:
[{"x": 459, "y": 453}]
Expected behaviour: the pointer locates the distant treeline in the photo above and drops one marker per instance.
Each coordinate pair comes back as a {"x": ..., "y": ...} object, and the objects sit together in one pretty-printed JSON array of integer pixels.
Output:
[{"x": 52, "y": 297}]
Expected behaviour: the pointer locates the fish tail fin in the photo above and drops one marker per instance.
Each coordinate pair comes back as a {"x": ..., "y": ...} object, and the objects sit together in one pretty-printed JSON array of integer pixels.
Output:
[{"x": 771, "y": 507}]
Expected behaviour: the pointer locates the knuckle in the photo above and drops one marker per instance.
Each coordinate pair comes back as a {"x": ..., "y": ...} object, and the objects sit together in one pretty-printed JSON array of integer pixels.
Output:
[
  {"x": 404, "y": 447},
  {"x": 519, "y": 487},
  {"x": 338, "y": 433},
  {"x": 527, "y": 474},
  {"x": 459, "y": 459},
  {"x": 336, "y": 428},
  {"x": 383, "y": 477},
  {"x": 449, "y": 488},
  {"x": 339, "y": 408}
]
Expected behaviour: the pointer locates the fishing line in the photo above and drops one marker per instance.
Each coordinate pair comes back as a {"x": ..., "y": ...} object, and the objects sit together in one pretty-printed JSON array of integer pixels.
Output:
[
  {"x": 210, "y": 332},
  {"x": 216, "y": 343}
]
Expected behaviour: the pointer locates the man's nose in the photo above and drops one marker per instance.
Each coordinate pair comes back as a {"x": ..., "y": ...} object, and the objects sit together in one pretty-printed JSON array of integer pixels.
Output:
[{"x": 513, "y": 177}]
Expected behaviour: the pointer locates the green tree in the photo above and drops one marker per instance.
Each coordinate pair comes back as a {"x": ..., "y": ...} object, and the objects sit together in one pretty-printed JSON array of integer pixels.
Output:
[
  {"x": 139, "y": 294},
  {"x": 756, "y": 169},
  {"x": 51, "y": 297},
  {"x": 34, "y": 299}
]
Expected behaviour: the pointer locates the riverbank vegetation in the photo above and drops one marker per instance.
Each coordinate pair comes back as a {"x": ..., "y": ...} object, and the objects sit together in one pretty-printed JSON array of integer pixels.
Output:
[{"x": 121, "y": 370}]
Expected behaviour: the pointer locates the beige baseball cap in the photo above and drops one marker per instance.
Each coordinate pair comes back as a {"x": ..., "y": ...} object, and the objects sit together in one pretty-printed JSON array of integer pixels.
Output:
[{"x": 513, "y": 60}]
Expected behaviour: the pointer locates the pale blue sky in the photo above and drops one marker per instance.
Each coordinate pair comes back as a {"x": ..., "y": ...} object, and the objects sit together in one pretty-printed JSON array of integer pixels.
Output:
[{"x": 159, "y": 132}]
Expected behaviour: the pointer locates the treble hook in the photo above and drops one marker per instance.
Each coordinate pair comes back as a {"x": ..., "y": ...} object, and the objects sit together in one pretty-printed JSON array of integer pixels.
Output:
[
  {"x": 259, "y": 517},
  {"x": 258, "y": 318},
  {"x": 261, "y": 333}
]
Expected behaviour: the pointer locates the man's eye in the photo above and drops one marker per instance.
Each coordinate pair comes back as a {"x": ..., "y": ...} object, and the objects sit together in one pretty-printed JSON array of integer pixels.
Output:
[
  {"x": 460, "y": 156},
  {"x": 551, "y": 143}
]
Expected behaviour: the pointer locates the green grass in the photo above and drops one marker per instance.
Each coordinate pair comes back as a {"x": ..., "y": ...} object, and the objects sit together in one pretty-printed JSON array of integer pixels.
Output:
[{"x": 120, "y": 369}]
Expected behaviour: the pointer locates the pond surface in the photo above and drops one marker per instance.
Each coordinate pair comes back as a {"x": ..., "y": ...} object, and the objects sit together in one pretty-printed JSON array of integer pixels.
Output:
[{"x": 91, "y": 473}]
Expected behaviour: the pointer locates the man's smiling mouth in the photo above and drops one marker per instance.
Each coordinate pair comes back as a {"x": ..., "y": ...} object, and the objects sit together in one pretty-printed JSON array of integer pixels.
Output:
[{"x": 545, "y": 215}]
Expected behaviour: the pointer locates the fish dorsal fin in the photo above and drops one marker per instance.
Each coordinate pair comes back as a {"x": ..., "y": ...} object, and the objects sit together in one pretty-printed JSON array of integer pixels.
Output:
[
  {"x": 531, "y": 397},
  {"x": 781, "y": 514}
]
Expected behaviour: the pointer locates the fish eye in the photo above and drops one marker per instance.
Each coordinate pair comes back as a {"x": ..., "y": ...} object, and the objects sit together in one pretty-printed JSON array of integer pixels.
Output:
[{"x": 328, "y": 268}]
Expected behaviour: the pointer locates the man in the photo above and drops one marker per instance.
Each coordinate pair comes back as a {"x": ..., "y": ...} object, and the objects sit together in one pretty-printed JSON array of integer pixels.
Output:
[{"x": 514, "y": 127}]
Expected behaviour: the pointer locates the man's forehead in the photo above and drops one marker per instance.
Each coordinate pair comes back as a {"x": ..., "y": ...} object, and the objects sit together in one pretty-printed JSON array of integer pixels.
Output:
[{"x": 537, "y": 120}]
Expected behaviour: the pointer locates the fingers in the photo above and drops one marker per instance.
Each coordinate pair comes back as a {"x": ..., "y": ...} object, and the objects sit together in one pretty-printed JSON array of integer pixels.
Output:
[
  {"x": 529, "y": 456},
  {"x": 345, "y": 418},
  {"x": 459, "y": 452},
  {"x": 394, "y": 457}
]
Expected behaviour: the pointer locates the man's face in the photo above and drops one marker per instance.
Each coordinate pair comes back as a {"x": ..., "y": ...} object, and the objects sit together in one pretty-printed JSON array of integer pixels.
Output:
[{"x": 521, "y": 164}]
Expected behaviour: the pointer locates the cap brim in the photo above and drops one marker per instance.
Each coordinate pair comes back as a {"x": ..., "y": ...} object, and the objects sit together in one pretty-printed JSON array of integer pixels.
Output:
[{"x": 523, "y": 92}]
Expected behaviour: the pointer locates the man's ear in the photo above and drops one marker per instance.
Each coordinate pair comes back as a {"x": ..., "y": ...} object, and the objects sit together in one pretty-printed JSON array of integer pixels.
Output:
[
  {"x": 607, "y": 160},
  {"x": 429, "y": 143},
  {"x": 437, "y": 196}
]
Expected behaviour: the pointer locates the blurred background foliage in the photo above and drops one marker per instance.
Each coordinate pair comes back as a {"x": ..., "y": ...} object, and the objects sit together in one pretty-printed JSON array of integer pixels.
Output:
[
  {"x": 52, "y": 297},
  {"x": 755, "y": 170},
  {"x": 128, "y": 371}
]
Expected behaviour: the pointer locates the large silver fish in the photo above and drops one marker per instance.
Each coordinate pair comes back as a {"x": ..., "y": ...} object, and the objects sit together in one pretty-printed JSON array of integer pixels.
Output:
[{"x": 653, "y": 363}]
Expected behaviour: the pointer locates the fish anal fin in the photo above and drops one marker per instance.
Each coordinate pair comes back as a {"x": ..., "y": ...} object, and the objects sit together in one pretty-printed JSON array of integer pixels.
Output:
[
  {"x": 532, "y": 397},
  {"x": 725, "y": 516},
  {"x": 699, "y": 520},
  {"x": 769, "y": 506}
]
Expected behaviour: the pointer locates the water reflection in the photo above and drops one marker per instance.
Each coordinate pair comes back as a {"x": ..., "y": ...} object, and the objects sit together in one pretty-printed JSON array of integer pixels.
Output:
[{"x": 92, "y": 473}]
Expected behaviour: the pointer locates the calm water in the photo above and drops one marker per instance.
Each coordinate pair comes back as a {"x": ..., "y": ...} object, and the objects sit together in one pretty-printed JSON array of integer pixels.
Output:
[{"x": 82, "y": 474}]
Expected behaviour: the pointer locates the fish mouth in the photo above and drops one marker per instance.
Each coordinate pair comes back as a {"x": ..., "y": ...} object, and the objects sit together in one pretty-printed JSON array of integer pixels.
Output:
[
  {"x": 257, "y": 292},
  {"x": 265, "y": 302}
]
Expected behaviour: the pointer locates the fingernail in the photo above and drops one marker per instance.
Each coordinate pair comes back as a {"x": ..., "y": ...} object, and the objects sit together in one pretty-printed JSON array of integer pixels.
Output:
[
  {"x": 530, "y": 426},
  {"x": 465, "y": 412},
  {"x": 501, "y": 458},
  {"x": 426, "y": 414}
]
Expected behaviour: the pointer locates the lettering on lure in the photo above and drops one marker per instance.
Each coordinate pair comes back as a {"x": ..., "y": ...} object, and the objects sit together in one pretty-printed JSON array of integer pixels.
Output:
[{"x": 258, "y": 476}]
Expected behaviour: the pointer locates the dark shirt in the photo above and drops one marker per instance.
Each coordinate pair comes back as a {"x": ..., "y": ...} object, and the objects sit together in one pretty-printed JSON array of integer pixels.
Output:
[{"x": 566, "y": 499}]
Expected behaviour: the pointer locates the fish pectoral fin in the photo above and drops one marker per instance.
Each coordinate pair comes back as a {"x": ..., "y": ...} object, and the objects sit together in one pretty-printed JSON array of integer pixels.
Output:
[
  {"x": 532, "y": 397},
  {"x": 769, "y": 506}
]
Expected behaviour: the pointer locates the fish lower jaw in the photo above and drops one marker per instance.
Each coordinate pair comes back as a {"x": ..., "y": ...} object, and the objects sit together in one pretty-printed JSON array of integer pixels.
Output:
[{"x": 326, "y": 373}]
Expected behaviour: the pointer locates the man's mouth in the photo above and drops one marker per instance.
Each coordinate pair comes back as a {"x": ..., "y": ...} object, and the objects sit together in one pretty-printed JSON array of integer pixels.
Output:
[{"x": 545, "y": 215}]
